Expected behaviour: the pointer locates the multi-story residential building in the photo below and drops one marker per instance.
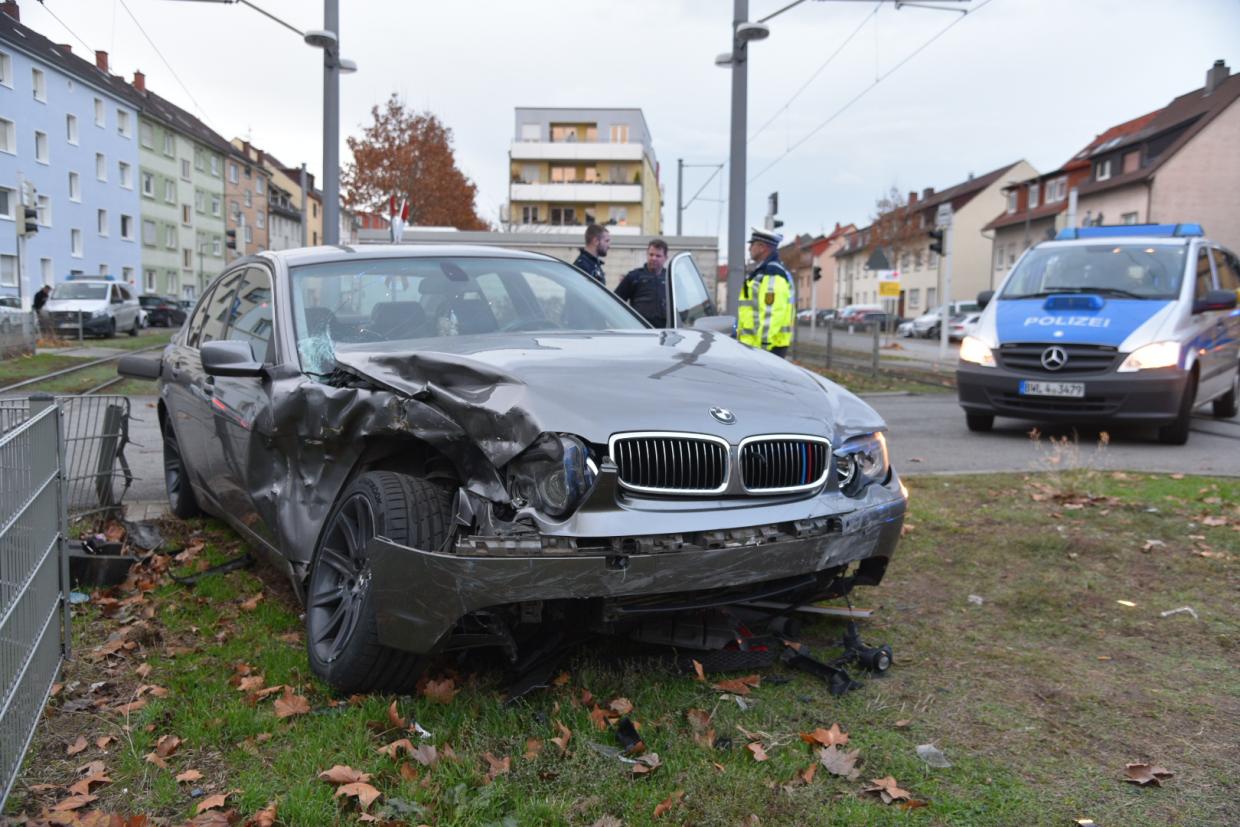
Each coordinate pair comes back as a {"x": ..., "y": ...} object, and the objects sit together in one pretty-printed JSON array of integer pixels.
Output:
[
  {"x": 901, "y": 235},
  {"x": 286, "y": 207},
  {"x": 572, "y": 167},
  {"x": 181, "y": 184},
  {"x": 314, "y": 220},
  {"x": 68, "y": 139},
  {"x": 1037, "y": 208},
  {"x": 819, "y": 261},
  {"x": 246, "y": 186},
  {"x": 1182, "y": 166}
]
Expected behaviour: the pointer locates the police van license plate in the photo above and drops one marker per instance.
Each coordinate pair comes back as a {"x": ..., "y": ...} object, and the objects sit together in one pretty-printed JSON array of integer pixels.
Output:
[{"x": 1070, "y": 389}]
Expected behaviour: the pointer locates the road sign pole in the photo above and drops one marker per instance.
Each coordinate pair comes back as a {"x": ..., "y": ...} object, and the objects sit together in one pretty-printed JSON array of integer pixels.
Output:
[{"x": 946, "y": 298}]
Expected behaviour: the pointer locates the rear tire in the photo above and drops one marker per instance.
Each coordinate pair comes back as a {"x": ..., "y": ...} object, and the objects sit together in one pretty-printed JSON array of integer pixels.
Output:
[
  {"x": 181, "y": 500},
  {"x": 133, "y": 331},
  {"x": 1177, "y": 432},
  {"x": 1228, "y": 405},
  {"x": 342, "y": 636},
  {"x": 111, "y": 334},
  {"x": 979, "y": 422}
]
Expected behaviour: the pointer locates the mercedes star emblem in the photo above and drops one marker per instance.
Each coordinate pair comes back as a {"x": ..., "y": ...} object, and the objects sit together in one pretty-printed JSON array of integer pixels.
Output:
[
  {"x": 1054, "y": 358},
  {"x": 723, "y": 415}
]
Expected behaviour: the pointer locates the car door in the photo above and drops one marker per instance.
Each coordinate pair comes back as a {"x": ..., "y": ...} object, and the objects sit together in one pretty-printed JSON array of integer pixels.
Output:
[
  {"x": 688, "y": 294},
  {"x": 1209, "y": 330},
  {"x": 242, "y": 465},
  {"x": 1229, "y": 279}
]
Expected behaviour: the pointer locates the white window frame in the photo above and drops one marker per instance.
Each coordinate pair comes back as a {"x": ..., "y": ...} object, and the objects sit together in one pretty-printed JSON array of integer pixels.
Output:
[
  {"x": 216, "y": 246},
  {"x": 125, "y": 170},
  {"x": 170, "y": 143},
  {"x": 8, "y": 136},
  {"x": 148, "y": 280},
  {"x": 75, "y": 243},
  {"x": 122, "y": 123},
  {"x": 216, "y": 206},
  {"x": 232, "y": 172},
  {"x": 170, "y": 236},
  {"x": 101, "y": 118},
  {"x": 1102, "y": 172},
  {"x": 71, "y": 129},
  {"x": 75, "y": 187},
  {"x": 101, "y": 222},
  {"x": 46, "y": 156},
  {"x": 154, "y": 228},
  {"x": 146, "y": 135},
  {"x": 8, "y": 270},
  {"x": 38, "y": 84},
  {"x": 6, "y": 70},
  {"x": 260, "y": 186},
  {"x": 249, "y": 199},
  {"x": 43, "y": 210},
  {"x": 260, "y": 219},
  {"x": 47, "y": 271},
  {"x": 1011, "y": 201},
  {"x": 8, "y": 208},
  {"x": 1035, "y": 190},
  {"x": 215, "y": 166},
  {"x": 148, "y": 184},
  {"x": 127, "y": 224},
  {"x": 185, "y": 169},
  {"x": 170, "y": 191},
  {"x": 101, "y": 166}
]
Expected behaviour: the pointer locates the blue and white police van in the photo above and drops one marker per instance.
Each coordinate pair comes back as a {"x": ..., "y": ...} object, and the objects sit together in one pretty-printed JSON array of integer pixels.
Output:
[{"x": 1134, "y": 323}]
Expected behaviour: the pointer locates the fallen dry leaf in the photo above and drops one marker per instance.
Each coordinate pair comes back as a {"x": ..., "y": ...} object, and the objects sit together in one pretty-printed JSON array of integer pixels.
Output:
[
  {"x": 363, "y": 792},
  {"x": 621, "y": 706},
  {"x": 1144, "y": 774},
  {"x": 289, "y": 704},
  {"x": 902, "y": 724},
  {"x": 265, "y": 817},
  {"x": 566, "y": 735},
  {"x": 82, "y": 786},
  {"x": 759, "y": 751},
  {"x": 426, "y": 755},
  {"x": 698, "y": 672},
  {"x": 250, "y": 683},
  {"x": 73, "y": 802},
  {"x": 156, "y": 759},
  {"x": 826, "y": 737},
  {"x": 143, "y": 670},
  {"x": 252, "y": 604},
  {"x": 837, "y": 762},
  {"x": 167, "y": 745},
  {"x": 77, "y": 746},
  {"x": 407, "y": 772},
  {"x": 103, "y": 741},
  {"x": 705, "y": 740},
  {"x": 807, "y": 774},
  {"x": 189, "y": 775},
  {"x": 440, "y": 691},
  {"x": 647, "y": 763},
  {"x": 395, "y": 717},
  {"x": 560, "y": 679},
  {"x": 668, "y": 803},
  {"x": 738, "y": 686},
  {"x": 211, "y": 802},
  {"x": 343, "y": 774},
  {"x": 498, "y": 766},
  {"x": 886, "y": 789},
  {"x": 396, "y": 746},
  {"x": 1214, "y": 521},
  {"x": 533, "y": 748},
  {"x": 598, "y": 716}
]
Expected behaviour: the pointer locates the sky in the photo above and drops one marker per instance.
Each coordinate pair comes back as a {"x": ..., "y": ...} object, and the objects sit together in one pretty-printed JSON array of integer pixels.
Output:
[{"x": 838, "y": 110}]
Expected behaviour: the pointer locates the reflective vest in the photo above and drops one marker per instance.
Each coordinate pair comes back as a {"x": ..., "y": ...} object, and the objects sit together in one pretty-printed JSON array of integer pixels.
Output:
[{"x": 766, "y": 309}]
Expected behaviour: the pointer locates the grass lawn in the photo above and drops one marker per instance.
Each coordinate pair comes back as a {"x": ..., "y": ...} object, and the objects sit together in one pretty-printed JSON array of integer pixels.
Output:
[
  {"x": 1039, "y": 694},
  {"x": 21, "y": 368},
  {"x": 29, "y": 367},
  {"x": 861, "y": 381}
]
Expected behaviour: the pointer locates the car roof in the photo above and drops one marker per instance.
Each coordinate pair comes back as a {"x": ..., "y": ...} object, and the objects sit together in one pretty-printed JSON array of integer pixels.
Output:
[
  {"x": 1179, "y": 241},
  {"x": 299, "y": 256}
]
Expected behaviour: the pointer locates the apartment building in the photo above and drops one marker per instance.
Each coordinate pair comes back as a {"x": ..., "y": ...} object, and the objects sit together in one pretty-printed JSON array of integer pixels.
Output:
[
  {"x": 68, "y": 148},
  {"x": 246, "y": 185},
  {"x": 573, "y": 167}
]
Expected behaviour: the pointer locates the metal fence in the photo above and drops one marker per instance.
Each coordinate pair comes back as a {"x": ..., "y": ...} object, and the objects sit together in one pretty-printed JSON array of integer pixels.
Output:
[
  {"x": 18, "y": 333},
  {"x": 34, "y": 575}
]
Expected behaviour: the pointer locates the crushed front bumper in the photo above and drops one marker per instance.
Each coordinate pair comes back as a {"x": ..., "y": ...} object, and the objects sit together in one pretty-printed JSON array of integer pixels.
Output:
[{"x": 420, "y": 595}]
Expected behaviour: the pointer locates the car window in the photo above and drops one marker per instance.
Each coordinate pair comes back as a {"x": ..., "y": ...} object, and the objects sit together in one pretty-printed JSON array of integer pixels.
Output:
[
  {"x": 1140, "y": 271},
  {"x": 194, "y": 328},
  {"x": 220, "y": 310},
  {"x": 117, "y": 296},
  {"x": 251, "y": 313},
  {"x": 80, "y": 290},
  {"x": 1205, "y": 279},
  {"x": 1229, "y": 272},
  {"x": 689, "y": 290}
]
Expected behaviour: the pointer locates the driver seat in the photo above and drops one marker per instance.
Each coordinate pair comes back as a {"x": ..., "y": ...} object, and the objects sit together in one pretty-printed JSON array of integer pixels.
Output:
[{"x": 398, "y": 320}]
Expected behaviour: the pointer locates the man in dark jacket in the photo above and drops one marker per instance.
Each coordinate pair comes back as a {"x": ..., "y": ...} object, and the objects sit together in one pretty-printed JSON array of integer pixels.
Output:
[
  {"x": 646, "y": 287},
  {"x": 590, "y": 262}
]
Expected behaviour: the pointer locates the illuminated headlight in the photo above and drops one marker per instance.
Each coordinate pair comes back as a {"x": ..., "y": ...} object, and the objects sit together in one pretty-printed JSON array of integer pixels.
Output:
[
  {"x": 861, "y": 461},
  {"x": 1156, "y": 355},
  {"x": 975, "y": 352},
  {"x": 553, "y": 475}
]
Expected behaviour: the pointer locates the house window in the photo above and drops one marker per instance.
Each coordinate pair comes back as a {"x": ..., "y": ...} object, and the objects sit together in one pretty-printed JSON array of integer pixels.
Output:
[
  {"x": 1128, "y": 218},
  {"x": 71, "y": 130},
  {"x": 185, "y": 168},
  {"x": 1011, "y": 201},
  {"x": 122, "y": 123},
  {"x": 249, "y": 200},
  {"x": 931, "y": 296},
  {"x": 216, "y": 246},
  {"x": 126, "y": 172},
  {"x": 170, "y": 237},
  {"x": 249, "y": 235},
  {"x": 8, "y": 270},
  {"x": 1132, "y": 160},
  {"x": 1034, "y": 191},
  {"x": 8, "y": 198},
  {"x": 563, "y": 216},
  {"x": 99, "y": 116},
  {"x": 260, "y": 219},
  {"x": 75, "y": 187},
  {"x": 75, "y": 243},
  {"x": 215, "y": 166},
  {"x": 232, "y": 173},
  {"x": 148, "y": 184},
  {"x": 186, "y": 214},
  {"x": 127, "y": 227},
  {"x": 170, "y": 144},
  {"x": 47, "y": 270},
  {"x": 620, "y": 215},
  {"x": 40, "y": 147},
  {"x": 200, "y": 201},
  {"x": 529, "y": 215},
  {"x": 170, "y": 191},
  {"x": 101, "y": 166},
  {"x": 620, "y": 133},
  {"x": 39, "y": 82},
  {"x": 215, "y": 205},
  {"x": 6, "y": 70},
  {"x": 260, "y": 186},
  {"x": 1102, "y": 170},
  {"x": 314, "y": 210},
  {"x": 531, "y": 132},
  {"x": 148, "y": 232},
  {"x": 101, "y": 220},
  {"x": 8, "y": 137},
  {"x": 187, "y": 258},
  {"x": 43, "y": 210},
  {"x": 148, "y": 281},
  {"x": 146, "y": 134},
  {"x": 234, "y": 212}
]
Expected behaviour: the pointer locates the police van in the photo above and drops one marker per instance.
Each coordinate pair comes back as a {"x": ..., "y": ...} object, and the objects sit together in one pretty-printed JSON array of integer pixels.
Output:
[{"x": 1134, "y": 323}]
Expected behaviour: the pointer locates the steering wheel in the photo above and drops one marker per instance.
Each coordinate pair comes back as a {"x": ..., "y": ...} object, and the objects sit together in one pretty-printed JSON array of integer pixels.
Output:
[{"x": 517, "y": 325}]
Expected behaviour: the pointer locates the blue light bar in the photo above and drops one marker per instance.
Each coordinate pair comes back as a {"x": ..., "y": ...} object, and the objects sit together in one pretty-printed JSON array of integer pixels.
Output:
[{"x": 1123, "y": 230}]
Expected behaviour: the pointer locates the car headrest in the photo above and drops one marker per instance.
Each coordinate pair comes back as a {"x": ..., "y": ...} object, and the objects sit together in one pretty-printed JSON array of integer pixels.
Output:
[
  {"x": 390, "y": 315},
  {"x": 473, "y": 316}
]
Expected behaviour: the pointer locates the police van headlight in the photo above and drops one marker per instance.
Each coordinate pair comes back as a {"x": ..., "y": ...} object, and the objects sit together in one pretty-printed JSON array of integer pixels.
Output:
[
  {"x": 1148, "y": 357},
  {"x": 974, "y": 351},
  {"x": 861, "y": 461}
]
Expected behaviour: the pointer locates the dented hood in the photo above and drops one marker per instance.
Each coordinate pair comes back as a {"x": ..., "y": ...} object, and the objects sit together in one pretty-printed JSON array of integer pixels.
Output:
[{"x": 598, "y": 384}]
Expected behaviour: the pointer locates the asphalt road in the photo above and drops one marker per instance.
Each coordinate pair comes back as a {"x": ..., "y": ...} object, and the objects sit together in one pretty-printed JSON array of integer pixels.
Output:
[{"x": 927, "y": 436}]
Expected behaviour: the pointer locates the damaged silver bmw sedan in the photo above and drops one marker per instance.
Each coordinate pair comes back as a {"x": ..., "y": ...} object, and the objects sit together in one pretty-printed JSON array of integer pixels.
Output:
[{"x": 455, "y": 447}]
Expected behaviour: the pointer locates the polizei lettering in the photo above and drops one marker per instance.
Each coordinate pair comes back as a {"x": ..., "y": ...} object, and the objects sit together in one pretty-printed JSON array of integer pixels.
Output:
[{"x": 1068, "y": 321}]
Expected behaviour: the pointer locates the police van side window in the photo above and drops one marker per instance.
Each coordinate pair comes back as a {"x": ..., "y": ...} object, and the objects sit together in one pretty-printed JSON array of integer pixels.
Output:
[
  {"x": 1228, "y": 271},
  {"x": 1205, "y": 279}
]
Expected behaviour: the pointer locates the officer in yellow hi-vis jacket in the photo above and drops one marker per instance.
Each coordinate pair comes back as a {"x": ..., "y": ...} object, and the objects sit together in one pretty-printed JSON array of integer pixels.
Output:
[{"x": 768, "y": 301}]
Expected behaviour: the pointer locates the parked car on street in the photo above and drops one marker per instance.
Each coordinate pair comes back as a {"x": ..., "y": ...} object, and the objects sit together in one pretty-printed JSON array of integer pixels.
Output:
[
  {"x": 853, "y": 313},
  {"x": 162, "y": 311},
  {"x": 804, "y": 316},
  {"x": 457, "y": 447},
  {"x": 95, "y": 306},
  {"x": 962, "y": 324},
  {"x": 906, "y": 330},
  {"x": 826, "y": 316},
  {"x": 927, "y": 324}
]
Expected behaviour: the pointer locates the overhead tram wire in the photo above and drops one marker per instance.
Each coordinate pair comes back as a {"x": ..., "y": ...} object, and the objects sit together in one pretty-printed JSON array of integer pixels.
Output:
[
  {"x": 65, "y": 26},
  {"x": 781, "y": 110},
  {"x": 864, "y": 92},
  {"x": 175, "y": 76}
]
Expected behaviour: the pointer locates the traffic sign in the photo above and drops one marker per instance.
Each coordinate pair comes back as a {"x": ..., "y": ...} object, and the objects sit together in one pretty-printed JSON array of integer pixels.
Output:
[
  {"x": 943, "y": 217},
  {"x": 889, "y": 289}
]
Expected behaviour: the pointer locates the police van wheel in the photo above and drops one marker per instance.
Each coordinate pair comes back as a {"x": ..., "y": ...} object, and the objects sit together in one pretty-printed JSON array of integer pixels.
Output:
[
  {"x": 979, "y": 422},
  {"x": 1176, "y": 433},
  {"x": 1228, "y": 405}
]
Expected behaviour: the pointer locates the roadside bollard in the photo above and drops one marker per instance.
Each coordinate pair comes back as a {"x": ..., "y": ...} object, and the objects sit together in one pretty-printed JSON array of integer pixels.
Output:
[
  {"x": 80, "y": 337},
  {"x": 830, "y": 335},
  {"x": 874, "y": 368}
]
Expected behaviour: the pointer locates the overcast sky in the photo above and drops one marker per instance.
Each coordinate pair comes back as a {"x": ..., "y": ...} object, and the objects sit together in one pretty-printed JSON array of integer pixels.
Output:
[{"x": 1032, "y": 79}]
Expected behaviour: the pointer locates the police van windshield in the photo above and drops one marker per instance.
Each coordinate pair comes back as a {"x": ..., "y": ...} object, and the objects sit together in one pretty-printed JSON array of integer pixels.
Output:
[{"x": 1128, "y": 271}]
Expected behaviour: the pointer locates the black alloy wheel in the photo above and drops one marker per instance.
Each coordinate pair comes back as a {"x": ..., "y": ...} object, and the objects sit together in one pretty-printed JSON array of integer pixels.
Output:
[
  {"x": 180, "y": 494},
  {"x": 1228, "y": 405},
  {"x": 341, "y": 578}
]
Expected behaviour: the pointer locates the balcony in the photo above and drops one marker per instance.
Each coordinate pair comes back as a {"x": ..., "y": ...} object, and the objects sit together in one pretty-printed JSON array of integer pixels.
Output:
[
  {"x": 575, "y": 151},
  {"x": 573, "y": 229},
  {"x": 577, "y": 192}
]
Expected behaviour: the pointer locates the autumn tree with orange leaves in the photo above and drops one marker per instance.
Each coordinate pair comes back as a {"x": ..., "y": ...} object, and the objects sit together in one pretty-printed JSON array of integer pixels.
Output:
[{"x": 409, "y": 155}]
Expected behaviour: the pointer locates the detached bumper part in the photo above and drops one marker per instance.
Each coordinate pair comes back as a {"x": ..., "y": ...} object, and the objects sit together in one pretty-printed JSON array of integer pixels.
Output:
[{"x": 443, "y": 588}]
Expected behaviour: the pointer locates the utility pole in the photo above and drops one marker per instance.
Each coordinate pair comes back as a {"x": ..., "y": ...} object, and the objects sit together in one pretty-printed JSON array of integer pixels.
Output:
[
  {"x": 946, "y": 297},
  {"x": 305, "y": 216},
  {"x": 331, "y": 126},
  {"x": 736, "y": 157},
  {"x": 680, "y": 191}
]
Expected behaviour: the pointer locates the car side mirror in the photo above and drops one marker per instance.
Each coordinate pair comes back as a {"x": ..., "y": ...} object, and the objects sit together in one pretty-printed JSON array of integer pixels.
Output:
[
  {"x": 983, "y": 298},
  {"x": 1216, "y": 300},
  {"x": 229, "y": 358},
  {"x": 723, "y": 325},
  {"x": 139, "y": 367}
]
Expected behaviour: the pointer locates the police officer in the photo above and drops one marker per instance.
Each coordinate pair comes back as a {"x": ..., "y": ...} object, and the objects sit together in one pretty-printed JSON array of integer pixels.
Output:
[
  {"x": 590, "y": 261},
  {"x": 767, "y": 301},
  {"x": 646, "y": 287}
]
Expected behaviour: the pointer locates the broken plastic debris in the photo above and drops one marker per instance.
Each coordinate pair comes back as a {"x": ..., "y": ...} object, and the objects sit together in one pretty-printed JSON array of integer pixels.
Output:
[
  {"x": 976, "y": 600},
  {"x": 1127, "y": 603},
  {"x": 79, "y": 597},
  {"x": 422, "y": 733},
  {"x": 1183, "y": 610},
  {"x": 933, "y": 756}
]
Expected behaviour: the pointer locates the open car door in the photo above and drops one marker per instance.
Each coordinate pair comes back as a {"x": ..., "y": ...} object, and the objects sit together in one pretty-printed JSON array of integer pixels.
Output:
[{"x": 690, "y": 299}]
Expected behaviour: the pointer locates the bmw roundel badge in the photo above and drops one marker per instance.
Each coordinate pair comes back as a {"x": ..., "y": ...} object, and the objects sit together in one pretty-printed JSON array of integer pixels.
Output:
[{"x": 723, "y": 415}]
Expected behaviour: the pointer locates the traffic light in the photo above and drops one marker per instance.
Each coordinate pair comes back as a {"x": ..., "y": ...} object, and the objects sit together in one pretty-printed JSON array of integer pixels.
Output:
[
  {"x": 230, "y": 239},
  {"x": 30, "y": 221},
  {"x": 817, "y": 273},
  {"x": 936, "y": 241}
]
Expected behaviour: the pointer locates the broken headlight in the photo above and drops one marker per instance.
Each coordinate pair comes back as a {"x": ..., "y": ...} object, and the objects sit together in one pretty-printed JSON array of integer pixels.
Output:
[
  {"x": 553, "y": 475},
  {"x": 861, "y": 461}
]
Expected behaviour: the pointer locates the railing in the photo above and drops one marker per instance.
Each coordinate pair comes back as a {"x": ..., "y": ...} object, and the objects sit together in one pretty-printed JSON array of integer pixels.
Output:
[{"x": 34, "y": 610}]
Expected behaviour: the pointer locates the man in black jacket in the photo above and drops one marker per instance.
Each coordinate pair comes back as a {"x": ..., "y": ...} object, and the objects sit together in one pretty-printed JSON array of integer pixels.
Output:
[
  {"x": 646, "y": 287},
  {"x": 590, "y": 262}
]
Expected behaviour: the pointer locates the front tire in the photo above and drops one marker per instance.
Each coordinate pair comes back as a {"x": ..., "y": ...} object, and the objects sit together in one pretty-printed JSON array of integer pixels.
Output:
[
  {"x": 341, "y": 627},
  {"x": 133, "y": 331},
  {"x": 181, "y": 500},
  {"x": 1177, "y": 432},
  {"x": 979, "y": 422},
  {"x": 1228, "y": 405}
]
